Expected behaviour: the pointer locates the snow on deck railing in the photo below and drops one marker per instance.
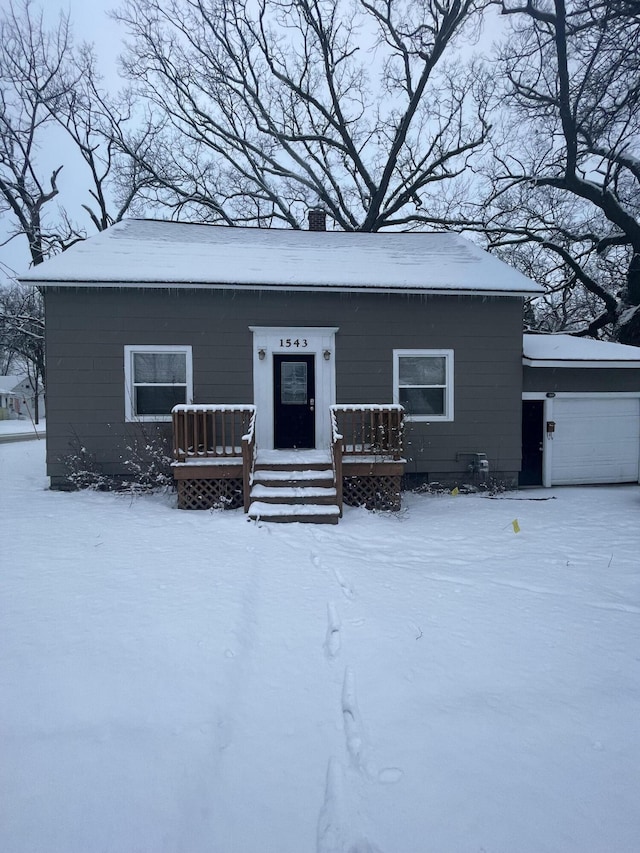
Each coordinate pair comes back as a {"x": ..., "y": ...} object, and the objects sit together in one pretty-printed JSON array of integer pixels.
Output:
[
  {"x": 250, "y": 435},
  {"x": 205, "y": 430},
  {"x": 367, "y": 407},
  {"x": 368, "y": 429},
  {"x": 248, "y": 459},
  {"x": 336, "y": 456},
  {"x": 214, "y": 407},
  {"x": 335, "y": 432}
]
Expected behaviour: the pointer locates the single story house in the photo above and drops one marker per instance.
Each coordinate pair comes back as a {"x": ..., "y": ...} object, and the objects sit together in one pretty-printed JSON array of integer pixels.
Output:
[
  {"x": 18, "y": 397},
  {"x": 362, "y": 357}
]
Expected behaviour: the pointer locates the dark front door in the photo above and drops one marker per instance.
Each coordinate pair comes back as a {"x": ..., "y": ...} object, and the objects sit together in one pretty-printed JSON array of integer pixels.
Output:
[
  {"x": 294, "y": 391},
  {"x": 532, "y": 442}
]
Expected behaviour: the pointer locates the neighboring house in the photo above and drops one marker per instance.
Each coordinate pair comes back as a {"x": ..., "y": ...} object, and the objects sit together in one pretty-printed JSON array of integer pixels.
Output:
[
  {"x": 18, "y": 397},
  {"x": 9, "y": 402},
  {"x": 581, "y": 411},
  {"x": 260, "y": 332}
]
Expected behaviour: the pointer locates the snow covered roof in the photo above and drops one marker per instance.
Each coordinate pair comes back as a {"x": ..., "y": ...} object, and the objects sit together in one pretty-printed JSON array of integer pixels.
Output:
[
  {"x": 154, "y": 253},
  {"x": 9, "y": 382},
  {"x": 569, "y": 351}
]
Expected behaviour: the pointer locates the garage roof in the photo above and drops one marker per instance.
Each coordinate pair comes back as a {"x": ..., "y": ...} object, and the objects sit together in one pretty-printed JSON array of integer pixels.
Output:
[
  {"x": 570, "y": 351},
  {"x": 154, "y": 253}
]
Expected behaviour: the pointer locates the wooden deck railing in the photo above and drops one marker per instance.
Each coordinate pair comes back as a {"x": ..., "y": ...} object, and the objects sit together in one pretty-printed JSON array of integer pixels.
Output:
[
  {"x": 248, "y": 460},
  {"x": 369, "y": 430},
  {"x": 211, "y": 431},
  {"x": 336, "y": 456}
]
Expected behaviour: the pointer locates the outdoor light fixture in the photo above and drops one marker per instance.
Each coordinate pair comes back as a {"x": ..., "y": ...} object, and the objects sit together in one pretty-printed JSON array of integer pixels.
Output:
[
  {"x": 327, "y": 354},
  {"x": 261, "y": 353}
]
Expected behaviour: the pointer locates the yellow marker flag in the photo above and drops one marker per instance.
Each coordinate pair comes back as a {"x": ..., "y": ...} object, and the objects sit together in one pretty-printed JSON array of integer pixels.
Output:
[
  {"x": 455, "y": 492},
  {"x": 515, "y": 525}
]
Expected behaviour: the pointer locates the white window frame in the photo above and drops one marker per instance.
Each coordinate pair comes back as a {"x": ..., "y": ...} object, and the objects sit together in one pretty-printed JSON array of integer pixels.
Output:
[
  {"x": 129, "y": 397},
  {"x": 447, "y": 354}
]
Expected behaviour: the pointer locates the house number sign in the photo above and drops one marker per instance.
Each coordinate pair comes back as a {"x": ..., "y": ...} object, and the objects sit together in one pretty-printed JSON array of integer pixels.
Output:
[{"x": 287, "y": 343}]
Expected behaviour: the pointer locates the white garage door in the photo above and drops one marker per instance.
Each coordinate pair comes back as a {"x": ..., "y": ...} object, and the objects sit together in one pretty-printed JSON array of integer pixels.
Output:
[{"x": 596, "y": 440}]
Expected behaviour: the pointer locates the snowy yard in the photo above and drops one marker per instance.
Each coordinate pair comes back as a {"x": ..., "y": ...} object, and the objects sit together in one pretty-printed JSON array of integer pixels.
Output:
[
  {"x": 22, "y": 426},
  {"x": 427, "y": 682}
]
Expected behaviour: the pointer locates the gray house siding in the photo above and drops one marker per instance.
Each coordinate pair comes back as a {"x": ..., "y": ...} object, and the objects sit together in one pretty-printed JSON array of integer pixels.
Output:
[
  {"x": 580, "y": 379},
  {"x": 87, "y": 330}
]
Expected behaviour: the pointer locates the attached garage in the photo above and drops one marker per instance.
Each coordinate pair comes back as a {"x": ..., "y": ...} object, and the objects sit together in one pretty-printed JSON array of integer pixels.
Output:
[
  {"x": 596, "y": 440},
  {"x": 581, "y": 411}
]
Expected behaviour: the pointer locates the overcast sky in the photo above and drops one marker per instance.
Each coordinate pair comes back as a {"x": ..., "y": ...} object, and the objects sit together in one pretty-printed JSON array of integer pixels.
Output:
[{"x": 91, "y": 22}]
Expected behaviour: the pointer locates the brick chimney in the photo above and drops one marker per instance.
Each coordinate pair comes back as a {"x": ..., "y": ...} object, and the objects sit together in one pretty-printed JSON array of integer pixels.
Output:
[{"x": 317, "y": 219}]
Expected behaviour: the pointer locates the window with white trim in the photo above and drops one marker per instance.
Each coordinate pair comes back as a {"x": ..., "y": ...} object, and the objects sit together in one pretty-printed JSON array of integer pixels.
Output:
[
  {"x": 157, "y": 378},
  {"x": 423, "y": 383}
]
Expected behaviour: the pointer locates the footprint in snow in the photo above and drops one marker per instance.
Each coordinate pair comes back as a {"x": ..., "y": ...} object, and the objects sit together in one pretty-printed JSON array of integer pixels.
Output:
[
  {"x": 390, "y": 775},
  {"x": 364, "y": 846},
  {"x": 331, "y": 821},
  {"x": 347, "y": 590},
  {"x": 351, "y": 719},
  {"x": 332, "y": 640}
]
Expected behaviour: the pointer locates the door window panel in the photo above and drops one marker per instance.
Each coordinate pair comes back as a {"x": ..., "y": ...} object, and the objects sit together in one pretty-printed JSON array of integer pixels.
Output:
[{"x": 293, "y": 383}]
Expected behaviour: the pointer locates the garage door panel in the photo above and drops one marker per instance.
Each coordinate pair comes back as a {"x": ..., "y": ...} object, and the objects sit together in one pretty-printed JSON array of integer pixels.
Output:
[{"x": 596, "y": 441}]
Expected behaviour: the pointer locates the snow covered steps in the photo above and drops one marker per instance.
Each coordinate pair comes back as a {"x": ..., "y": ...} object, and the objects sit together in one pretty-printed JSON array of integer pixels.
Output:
[{"x": 282, "y": 494}]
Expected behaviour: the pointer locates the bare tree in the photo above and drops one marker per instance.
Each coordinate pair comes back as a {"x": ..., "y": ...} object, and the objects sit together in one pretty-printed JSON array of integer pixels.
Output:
[
  {"x": 33, "y": 72},
  {"x": 274, "y": 106},
  {"x": 22, "y": 333},
  {"x": 46, "y": 82},
  {"x": 46, "y": 85},
  {"x": 566, "y": 178},
  {"x": 97, "y": 124}
]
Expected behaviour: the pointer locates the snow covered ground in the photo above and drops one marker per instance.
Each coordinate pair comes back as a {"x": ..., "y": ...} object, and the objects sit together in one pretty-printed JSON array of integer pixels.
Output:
[
  {"x": 21, "y": 426},
  {"x": 426, "y": 682}
]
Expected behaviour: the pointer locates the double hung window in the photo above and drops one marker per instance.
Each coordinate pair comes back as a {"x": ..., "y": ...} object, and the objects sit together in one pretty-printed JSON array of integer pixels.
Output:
[
  {"x": 156, "y": 379},
  {"x": 423, "y": 383}
]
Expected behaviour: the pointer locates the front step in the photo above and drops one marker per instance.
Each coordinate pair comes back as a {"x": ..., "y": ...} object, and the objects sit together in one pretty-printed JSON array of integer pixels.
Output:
[
  {"x": 290, "y": 479},
  {"x": 294, "y": 494},
  {"x": 279, "y": 512},
  {"x": 284, "y": 494}
]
